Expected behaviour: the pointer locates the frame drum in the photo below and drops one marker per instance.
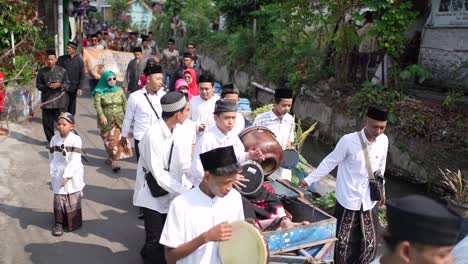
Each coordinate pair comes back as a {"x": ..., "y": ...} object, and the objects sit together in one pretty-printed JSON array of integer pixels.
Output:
[
  {"x": 252, "y": 171},
  {"x": 246, "y": 246}
]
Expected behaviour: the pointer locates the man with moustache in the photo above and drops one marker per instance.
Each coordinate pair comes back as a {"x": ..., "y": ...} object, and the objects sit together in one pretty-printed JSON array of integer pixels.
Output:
[{"x": 357, "y": 155}]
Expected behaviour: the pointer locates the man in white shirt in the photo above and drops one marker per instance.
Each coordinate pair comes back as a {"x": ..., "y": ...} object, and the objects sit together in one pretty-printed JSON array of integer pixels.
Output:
[
  {"x": 203, "y": 105},
  {"x": 200, "y": 218},
  {"x": 355, "y": 210},
  {"x": 232, "y": 93},
  {"x": 420, "y": 231},
  {"x": 144, "y": 107},
  {"x": 221, "y": 136},
  {"x": 281, "y": 123},
  {"x": 159, "y": 177},
  {"x": 460, "y": 252}
]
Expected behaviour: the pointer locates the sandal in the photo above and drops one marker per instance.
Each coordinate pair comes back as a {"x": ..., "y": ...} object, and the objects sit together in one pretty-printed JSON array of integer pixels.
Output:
[
  {"x": 57, "y": 231},
  {"x": 116, "y": 169},
  {"x": 108, "y": 161}
]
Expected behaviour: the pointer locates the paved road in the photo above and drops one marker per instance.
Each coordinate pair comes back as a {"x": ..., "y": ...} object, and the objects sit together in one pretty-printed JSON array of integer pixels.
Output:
[{"x": 111, "y": 232}]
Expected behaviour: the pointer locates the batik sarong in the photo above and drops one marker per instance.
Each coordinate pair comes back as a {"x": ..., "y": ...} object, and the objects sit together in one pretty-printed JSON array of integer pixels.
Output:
[
  {"x": 67, "y": 210},
  {"x": 112, "y": 144},
  {"x": 356, "y": 233}
]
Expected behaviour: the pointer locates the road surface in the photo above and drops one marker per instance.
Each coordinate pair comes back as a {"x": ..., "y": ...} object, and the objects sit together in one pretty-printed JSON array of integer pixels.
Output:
[{"x": 111, "y": 232}]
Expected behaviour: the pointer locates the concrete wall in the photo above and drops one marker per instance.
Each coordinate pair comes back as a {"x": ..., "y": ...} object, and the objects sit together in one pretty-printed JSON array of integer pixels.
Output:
[
  {"x": 441, "y": 48},
  {"x": 408, "y": 158}
]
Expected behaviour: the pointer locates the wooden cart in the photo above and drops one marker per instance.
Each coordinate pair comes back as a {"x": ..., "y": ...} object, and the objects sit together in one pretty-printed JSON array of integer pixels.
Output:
[{"x": 299, "y": 244}]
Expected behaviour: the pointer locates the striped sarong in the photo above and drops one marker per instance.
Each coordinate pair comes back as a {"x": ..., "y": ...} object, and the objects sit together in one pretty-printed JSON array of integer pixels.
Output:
[{"x": 67, "y": 210}]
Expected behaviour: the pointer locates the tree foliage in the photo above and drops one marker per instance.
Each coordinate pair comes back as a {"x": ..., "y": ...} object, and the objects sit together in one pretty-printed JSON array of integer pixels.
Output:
[{"x": 19, "y": 18}]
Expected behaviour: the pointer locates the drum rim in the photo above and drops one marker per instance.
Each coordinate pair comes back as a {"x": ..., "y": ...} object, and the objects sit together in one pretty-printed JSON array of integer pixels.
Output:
[
  {"x": 251, "y": 228},
  {"x": 262, "y": 172},
  {"x": 245, "y": 130}
]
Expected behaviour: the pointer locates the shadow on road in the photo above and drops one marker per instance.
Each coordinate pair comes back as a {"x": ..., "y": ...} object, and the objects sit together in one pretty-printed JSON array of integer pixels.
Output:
[
  {"x": 29, "y": 216},
  {"x": 76, "y": 253},
  {"x": 27, "y": 139},
  {"x": 116, "y": 198}
]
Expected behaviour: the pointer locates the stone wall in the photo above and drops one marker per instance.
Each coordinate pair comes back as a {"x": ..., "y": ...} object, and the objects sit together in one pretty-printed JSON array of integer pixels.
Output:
[
  {"x": 409, "y": 159},
  {"x": 441, "y": 48}
]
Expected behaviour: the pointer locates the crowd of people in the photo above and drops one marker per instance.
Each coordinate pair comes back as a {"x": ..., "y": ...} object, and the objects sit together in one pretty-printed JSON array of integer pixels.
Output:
[{"x": 186, "y": 143}]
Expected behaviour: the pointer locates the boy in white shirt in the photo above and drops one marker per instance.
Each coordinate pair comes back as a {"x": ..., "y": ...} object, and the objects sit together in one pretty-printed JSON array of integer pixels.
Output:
[
  {"x": 200, "y": 218},
  {"x": 66, "y": 171}
]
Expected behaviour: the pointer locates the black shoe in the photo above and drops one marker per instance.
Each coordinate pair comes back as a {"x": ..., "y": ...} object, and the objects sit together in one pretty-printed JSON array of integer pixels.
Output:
[
  {"x": 57, "y": 231},
  {"x": 140, "y": 214}
]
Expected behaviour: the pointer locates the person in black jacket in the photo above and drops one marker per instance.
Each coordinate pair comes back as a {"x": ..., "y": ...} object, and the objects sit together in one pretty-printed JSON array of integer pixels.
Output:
[
  {"x": 187, "y": 62},
  {"x": 73, "y": 63},
  {"x": 54, "y": 84}
]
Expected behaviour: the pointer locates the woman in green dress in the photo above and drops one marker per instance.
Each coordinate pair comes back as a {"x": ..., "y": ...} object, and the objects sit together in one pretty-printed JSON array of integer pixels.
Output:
[{"x": 110, "y": 103}]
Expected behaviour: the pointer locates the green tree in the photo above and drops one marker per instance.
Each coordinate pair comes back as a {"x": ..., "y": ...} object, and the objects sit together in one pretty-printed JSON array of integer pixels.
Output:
[{"x": 19, "y": 18}]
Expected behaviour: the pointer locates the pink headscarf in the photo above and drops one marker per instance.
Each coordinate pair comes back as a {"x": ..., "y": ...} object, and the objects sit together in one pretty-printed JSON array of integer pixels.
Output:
[
  {"x": 183, "y": 83},
  {"x": 193, "y": 87}
]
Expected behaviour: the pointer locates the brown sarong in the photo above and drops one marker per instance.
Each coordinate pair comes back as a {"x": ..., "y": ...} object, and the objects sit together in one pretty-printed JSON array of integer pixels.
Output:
[
  {"x": 67, "y": 210},
  {"x": 112, "y": 144}
]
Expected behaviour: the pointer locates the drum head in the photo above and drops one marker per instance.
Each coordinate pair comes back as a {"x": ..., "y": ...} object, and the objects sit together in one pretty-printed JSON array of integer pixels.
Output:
[
  {"x": 246, "y": 246},
  {"x": 290, "y": 159},
  {"x": 253, "y": 171}
]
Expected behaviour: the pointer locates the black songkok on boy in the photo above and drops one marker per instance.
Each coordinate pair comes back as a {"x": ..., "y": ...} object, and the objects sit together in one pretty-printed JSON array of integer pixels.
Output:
[
  {"x": 137, "y": 49},
  {"x": 72, "y": 45},
  {"x": 188, "y": 55},
  {"x": 152, "y": 70},
  {"x": 229, "y": 89},
  {"x": 173, "y": 102},
  {"x": 218, "y": 158},
  {"x": 377, "y": 112},
  {"x": 50, "y": 52},
  {"x": 283, "y": 94},
  {"x": 418, "y": 219},
  {"x": 225, "y": 105},
  {"x": 205, "y": 78}
]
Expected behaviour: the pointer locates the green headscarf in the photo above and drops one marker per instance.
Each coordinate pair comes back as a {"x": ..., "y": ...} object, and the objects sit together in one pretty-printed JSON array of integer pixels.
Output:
[{"x": 102, "y": 87}]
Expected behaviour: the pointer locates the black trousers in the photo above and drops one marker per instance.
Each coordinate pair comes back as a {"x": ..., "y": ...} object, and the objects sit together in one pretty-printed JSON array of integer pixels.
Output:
[
  {"x": 49, "y": 116},
  {"x": 355, "y": 250},
  {"x": 137, "y": 150},
  {"x": 153, "y": 252},
  {"x": 71, "y": 103}
]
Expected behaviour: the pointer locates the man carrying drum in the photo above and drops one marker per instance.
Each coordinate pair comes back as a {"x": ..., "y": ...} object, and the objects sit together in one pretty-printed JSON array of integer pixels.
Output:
[{"x": 201, "y": 217}]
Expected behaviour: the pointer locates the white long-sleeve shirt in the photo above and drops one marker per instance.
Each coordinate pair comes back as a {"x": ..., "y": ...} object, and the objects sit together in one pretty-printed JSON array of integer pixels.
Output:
[
  {"x": 139, "y": 111},
  {"x": 352, "y": 181},
  {"x": 68, "y": 166},
  {"x": 211, "y": 139},
  {"x": 155, "y": 149},
  {"x": 200, "y": 110}
]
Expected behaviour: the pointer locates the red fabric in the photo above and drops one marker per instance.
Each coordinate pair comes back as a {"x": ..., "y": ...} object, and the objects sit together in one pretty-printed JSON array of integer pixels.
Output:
[
  {"x": 193, "y": 87},
  {"x": 142, "y": 82},
  {"x": 2, "y": 98}
]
